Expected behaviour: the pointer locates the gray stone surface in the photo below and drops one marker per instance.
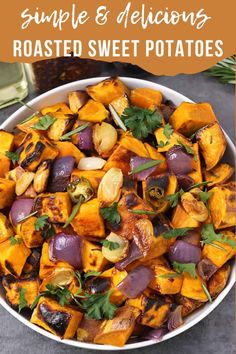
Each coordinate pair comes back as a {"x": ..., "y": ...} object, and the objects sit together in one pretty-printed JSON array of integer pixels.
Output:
[{"x": 216, "y": 333}]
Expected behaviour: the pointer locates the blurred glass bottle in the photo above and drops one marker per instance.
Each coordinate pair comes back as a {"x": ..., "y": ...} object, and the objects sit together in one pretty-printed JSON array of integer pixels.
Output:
[{"x": 13, "y": 84}]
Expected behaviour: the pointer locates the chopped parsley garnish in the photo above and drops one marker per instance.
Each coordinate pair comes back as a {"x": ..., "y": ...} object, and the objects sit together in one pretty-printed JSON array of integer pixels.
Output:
[
  {"x": 168, "y": 130},
  {"x": 162, "y": 144},
  {"x": 187, "y": 148},
  {"x": 111, "y": 214},
  {"x": 189, "y": 268},
  {"x": 13, "y": 156},
  {"x": 15, "y": 240},
  {"x": 176, "y": 232},
  {"x": 44, "y": 122},
  {"x": 22, "y": 300},
  {"x": 209, "y": 237},
  {"x": 110, "y": 245},
  {"x": 42, "y": 224},
  {"x": 173, "y": 199}
]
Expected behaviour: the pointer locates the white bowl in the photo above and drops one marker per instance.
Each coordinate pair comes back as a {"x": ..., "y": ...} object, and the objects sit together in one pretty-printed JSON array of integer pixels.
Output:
[{"x": 60, "y": 94}]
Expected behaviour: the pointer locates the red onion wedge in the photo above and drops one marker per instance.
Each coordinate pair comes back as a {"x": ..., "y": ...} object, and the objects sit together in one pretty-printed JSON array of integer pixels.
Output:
[
  {"x": 175, "y": 319},
  {"x": 60, "y": 174},
  {"x": 155, "y": 334},
  {"x": 20, "y": 209},
  {"x": 206, "y": 268},
  {"x": 178, "y": 161},
  {"x": 184, "y": 252},
  {"x": 185, "y": 182},
  {"x": 133, "y": 254},
  {"x": 67, "y": 248},
  {"x": 136, "y": 281},
  {"x": 144, "y": 167},
  {"x": 84, "y": 139}
]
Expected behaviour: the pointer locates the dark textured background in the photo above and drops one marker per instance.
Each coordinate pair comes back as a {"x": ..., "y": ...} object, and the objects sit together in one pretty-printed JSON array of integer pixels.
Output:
[{"x": 216, "y": 333}]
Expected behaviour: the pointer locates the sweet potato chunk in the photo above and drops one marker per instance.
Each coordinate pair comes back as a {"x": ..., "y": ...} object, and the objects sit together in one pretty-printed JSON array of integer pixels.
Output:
[
  {"x": 120, "y": 103},
  {"x": 13, "y": 257},
  {"x": 181, "y": 219},
  {"x": 92, "y": 257},
  {"x": 6, "y": 140},
  {"x": 60, "y": 127},
  {"x": 115, "y": 277},
  {"x": 26, "y": 230},
  {"x": 94, "y": 176},
  {"x": 36, "y": 148},
  {"x": 60, "y": 320},
  {"x": 13, "y": 286},
  {"x": 88, "y": 221},
  {"x": 168, "y": 143},
  {"x": 165, "y": 285},
  {"x": 219, "y": 174},
  {"x": 88, "y": 329},
  {"x": 220, "y": 256},
  {"x": 192, "y": 288},
  {"x": 108, "y": 90},
  {"x": 7, "y": 192},
  {"x": 4, "y": 165},
  {"x": 56, "y": 205},
  {"x": 93, "y": 111},
  {"x": 196, "y": 174},
  {"x": 132, "y": 144},
  {"x": 60, "y": 107},
  {"x": 212, "y": 144},
  {"x": 218, "y": 280},
  {"x": 120, "y": 158},
  {"x": 155, "y": 155},
  {"x": 146, "y": 98},
  {"x": 222, "y": 204},
  {"x": 189, "y": 117},
  {"x": 5, "y": 228},
  {"x": 66, "y": 148},
  {"x": 189, "y": 305},
  {"x": 76, "y": 100},
  {"x": 118, "y": 330}
]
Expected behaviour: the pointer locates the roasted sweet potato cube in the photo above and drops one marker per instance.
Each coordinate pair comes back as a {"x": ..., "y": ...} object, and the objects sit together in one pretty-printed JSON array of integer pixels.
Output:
[
  {"x": 92, "y": 257},
  {"x": 93, "y": 111},
  {"x": 4, "y": 165},
  {"x": 14, "y": 285},
  {"x": 94, "y": 176},
  {"x": 168, "y": 143},
  {"x": 218, "y": 280},
  {"x": 18, "y": 139},
  {"x": 181, "y": 219},
  {"x": 120, "y": 158},
  {"x": 188, "y": 305},
  {"x": 47, "y": 266},
  {"x": 154, "y": 154},
  {"x": 6, "y": 140},
  {"x": 66, "y": 148},
  {"x": 212, "y": 144},
  {"x": 217, "y": 255},
  {"x": 160, "y": 283},
  {"x": 13, "y": 257},
  {"x": 6, "y": 230},
  {"x": 30, "y": 236},
  {"x": 76, "y": 100},
  {"x": 154, "y": 309},
  {"x": 120, "y": 103},
  {"x": 115, "y": 277},
  {"x": 60, "y": 127},
  {"x": 60, "y": 320},
  {"x": 35, "y": 149},
  {"x": 196, "y": 174},
  {"x": 88, "y": 329},
  {"x": 7, "y": 192},
  {"x": 219, "y": 174},
  {"x": 60, "y": 107},
  {"x": 146, "y": 98},
  {"x": 27, "y": 125},
  {"x": 132, "y": 144},
  {"x": 192, "y": 287},
  {"x": 108, "y": 90},
  {"x": 118, "y": 330},
  {"x": 56, "y": 205},
  {"x": 189, "y": 117},
  {"x": 88, "y": 221},
  {"x": 222, "y": 204}
]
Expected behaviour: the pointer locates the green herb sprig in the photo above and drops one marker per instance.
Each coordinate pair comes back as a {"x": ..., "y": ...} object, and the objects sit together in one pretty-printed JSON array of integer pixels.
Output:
[
  {"x": 145, "y": 166},
  {"x": 209, "y": 237},
  {"x": 168, "y": 130},
  {"x": 189, "y": 268},
  {"x": 22, "y": 300},
  {"x": 111, "y": 214},
  {"x": 44, "y": 122},
  {"x": 110, "y": 244},
  {"x": 73, "y": 132},
  {"x": 13, "y": 156},
  {"x": 176, "y": 232}
]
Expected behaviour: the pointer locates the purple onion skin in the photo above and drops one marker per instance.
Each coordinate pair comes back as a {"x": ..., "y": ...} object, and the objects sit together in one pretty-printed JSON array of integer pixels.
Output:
[
  {"x": 134, "y": 253},
  {"x": 185, "y": 182},
  {"x": 20, "y": 209},
  {"x": 85, "y": 139},
  {"x": 184, "y": 252},
  {"x": 206, "y": 268},
  {"x": 193, "y": 237},
  {"x": 137, "y": 161},
  {"x": 178, "y": 161},
  {"x": 60, "y": 174},
  {"x": 67, "y": 248},
  {"x": 175, "y": 319},
  {"x": 136, "y": 281},
  {"x": 155, "y": 334}
]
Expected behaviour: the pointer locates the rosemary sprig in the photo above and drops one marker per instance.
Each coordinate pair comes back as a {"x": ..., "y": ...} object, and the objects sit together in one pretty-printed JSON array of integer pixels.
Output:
[{"x": 224, "y": 70}]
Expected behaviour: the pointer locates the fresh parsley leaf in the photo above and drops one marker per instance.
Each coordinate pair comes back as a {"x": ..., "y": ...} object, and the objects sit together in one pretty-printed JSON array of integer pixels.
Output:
[
  {"x": 176, "y": 232},
  {"x": 13, "y": 156},
  {"x": 15, "y": 240},
  {"x": 62, "y": 294},
  {"x": 73, "y": 132},
  {"x": 209, "y": 237},
  {"x": 168, "y": 130},
  {"x": 141, "y": 122},
  {"x": 187, "y": 148},
  {"x": 22, "y": 300},
  {"x": 189, "y": 268},
  {"x": 44, "y": 122},
  {"x": 169, "y": 275},
  {"x": 142, "y": 212},
  {"x": 145, "y": 166},
  {"x": 91, "y": 273},
  {"x": 98, "y": 306},
  {"x": 111, "y": 214},
  {"x": 41, "y": 222},
  {"x": 110, "y": 245},
  {"x": 173, "y": 199},
  {"x": 161, "y": 144},
  {"x": 207, "y": 293},
  {"x": 204, "y": 196}
]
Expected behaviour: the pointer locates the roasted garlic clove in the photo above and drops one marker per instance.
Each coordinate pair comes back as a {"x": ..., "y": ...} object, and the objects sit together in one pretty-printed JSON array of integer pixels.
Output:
[
  {"x": 104, "y": 138},
  {"x": 110, "y": 187},
  {"x": 61, "y": 276},
  {"x": 41, "y": 176},
  {"x": 194, "y": 207},
  {"x": 116, "y": 248},
  {"x": 144, "y": 235},
  {"x": 24, "y": 182}
]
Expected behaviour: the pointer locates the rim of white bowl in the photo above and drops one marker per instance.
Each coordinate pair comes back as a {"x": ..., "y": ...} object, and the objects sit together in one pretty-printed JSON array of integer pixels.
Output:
[{"x": 203, "y": 312}]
